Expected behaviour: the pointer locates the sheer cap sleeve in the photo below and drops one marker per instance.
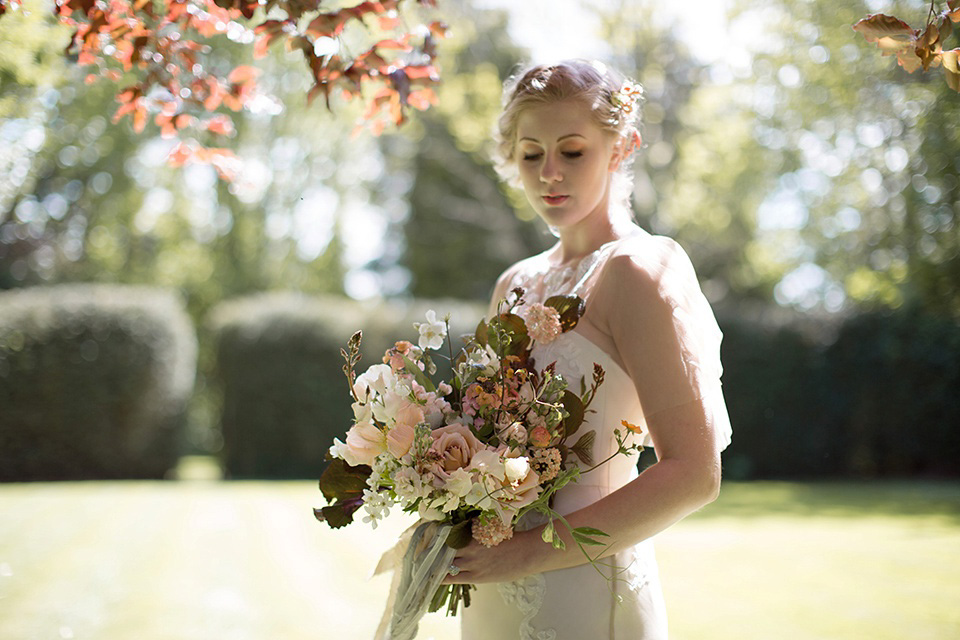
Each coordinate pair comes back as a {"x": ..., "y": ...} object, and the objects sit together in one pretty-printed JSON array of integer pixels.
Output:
[{"x": 664, "y": 329}]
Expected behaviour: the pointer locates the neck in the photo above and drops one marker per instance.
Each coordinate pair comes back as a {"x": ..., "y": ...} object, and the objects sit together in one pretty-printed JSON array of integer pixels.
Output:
[{"x": 588, "y": 236}]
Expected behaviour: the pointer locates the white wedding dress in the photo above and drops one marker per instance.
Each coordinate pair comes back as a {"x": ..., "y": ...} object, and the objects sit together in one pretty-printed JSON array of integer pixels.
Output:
[{"x": 625, "y": 602}]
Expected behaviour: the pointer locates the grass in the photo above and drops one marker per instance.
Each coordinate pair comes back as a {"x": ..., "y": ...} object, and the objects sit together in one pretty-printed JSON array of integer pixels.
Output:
[{"x": 245, "y": 560}]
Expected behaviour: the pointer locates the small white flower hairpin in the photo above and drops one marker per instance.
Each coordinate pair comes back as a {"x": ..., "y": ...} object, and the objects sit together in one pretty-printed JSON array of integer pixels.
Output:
[{"x": 626, "y": 99}]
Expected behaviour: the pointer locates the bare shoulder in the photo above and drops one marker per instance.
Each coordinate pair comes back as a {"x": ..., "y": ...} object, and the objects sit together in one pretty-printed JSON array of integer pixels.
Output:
[{"x": 641, "y": 264}]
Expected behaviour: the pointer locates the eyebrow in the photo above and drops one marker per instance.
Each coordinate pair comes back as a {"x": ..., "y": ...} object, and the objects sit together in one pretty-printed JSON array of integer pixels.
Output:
[{"x": 569, "y": 135}]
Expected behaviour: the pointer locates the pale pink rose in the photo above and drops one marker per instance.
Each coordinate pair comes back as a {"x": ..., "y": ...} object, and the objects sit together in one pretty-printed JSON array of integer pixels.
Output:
[
  {"x": 534, "y": 419},
  {"x": 365, "y": 442},
  {"x": 514, "y": 431},
  {"x": 400, "y": 439},
  {"x": 513, "y": 484},
  {"x": 519, "y": 494},
  {"x": 453, "y": 447},
  {"x": 543, "y": 322}
]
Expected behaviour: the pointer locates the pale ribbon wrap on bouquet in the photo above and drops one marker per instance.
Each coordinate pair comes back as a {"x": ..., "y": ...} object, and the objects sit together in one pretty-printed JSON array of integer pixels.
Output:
[{"x": 426, "y": 559}]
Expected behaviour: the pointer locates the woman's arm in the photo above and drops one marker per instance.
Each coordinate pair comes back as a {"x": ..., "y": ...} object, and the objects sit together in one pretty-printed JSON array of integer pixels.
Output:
[{"x": 634, "y": 311}]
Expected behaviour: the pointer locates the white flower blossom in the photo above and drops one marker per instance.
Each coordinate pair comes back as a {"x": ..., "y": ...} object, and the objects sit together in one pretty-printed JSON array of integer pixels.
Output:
[
  {"x": 432, "y": 332},
  {"x": 362, "y": 411},
  {"x": 430, "y": 510},
  {"x": 339, "y": 449},
  {"x": 459, "y": 483},
  {"x": 516, "y": 469},
  {"x": 377, "y": 506},
  {"x": 378, "y": 378},
  {"x": 409, "y": 486},
  {"x": 486, "y": 358}
]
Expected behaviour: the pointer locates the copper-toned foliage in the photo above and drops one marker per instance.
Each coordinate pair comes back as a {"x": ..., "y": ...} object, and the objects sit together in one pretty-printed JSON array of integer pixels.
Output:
[
  {"x": 916, "y": 48},
  {"x": 157, "y": 42}
]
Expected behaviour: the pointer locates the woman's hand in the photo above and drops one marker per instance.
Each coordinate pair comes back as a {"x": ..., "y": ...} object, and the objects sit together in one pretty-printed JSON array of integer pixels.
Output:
[{"x": 509, "y": 560}]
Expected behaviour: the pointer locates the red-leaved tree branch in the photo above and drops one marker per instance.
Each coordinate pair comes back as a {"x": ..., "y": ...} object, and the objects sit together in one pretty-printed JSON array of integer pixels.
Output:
[
  {"x": 161, "y": 44},
  {"x": 917, "y": 48}
]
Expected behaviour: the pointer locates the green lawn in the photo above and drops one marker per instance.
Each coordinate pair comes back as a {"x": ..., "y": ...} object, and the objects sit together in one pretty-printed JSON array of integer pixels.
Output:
[{"x": 211, "y": 561}]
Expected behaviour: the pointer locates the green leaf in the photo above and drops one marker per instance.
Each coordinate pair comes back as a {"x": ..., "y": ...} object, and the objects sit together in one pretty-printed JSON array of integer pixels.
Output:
[
  {"x": 590, "y": 531},
  {"x": 342, "y": 482},
  {"x": 586, "y": 535},
  {"x": 548, "y": 532},
  {"x": 570, "y": 308},
  {"x": 575, "y": 410},
  {"x": 584, "y": 447},
  {"x": 418, "y": 375},
  {"x": 460, "y": 535},
  {"x": 512, "y": 324},
  {"x": 482, "y": 333},
  {"x": 339, "y": 514}
]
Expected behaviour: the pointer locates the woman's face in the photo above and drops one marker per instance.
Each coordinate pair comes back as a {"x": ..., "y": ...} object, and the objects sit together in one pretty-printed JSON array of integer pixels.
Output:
[{"x": 565, "y": 162}]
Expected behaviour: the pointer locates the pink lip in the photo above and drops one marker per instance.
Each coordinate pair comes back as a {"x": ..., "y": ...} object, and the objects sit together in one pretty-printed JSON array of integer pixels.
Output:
[{"x": 555, "y": 200}]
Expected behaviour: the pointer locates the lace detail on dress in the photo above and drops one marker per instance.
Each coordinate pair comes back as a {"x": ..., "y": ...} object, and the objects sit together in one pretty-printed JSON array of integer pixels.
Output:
[
  {"x": 566, "y": 353},
  {"x": 540, "y": 280},
  {"x": 527, "y": 595}
]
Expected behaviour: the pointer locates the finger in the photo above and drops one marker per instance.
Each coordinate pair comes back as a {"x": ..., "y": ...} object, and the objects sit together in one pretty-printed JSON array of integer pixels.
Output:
[{"x": 461, "y": 578}]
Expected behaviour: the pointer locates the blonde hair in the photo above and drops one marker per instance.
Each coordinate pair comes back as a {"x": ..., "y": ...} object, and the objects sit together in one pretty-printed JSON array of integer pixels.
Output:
[{"x": 593, "y": 84}]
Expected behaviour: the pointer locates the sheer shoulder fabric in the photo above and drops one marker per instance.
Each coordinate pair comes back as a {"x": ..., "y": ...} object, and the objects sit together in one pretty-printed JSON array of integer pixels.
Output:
[
  {"x": 643, "y": 292},
  {"x": 663, "y": 328}
]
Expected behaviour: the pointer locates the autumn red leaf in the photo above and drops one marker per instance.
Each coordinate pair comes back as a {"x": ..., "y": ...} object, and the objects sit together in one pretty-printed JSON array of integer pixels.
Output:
[
  {"x": 158, "y": 47},
  {"x": 220, "y": 124},
  {"x": 891, "y": 34},
  {"x": 951, "y": 68},
  {"x": 915, "y": 48}
]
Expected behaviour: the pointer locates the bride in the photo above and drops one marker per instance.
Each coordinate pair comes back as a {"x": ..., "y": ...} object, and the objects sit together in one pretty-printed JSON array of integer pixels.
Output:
[{"x": 567, "y": 133}]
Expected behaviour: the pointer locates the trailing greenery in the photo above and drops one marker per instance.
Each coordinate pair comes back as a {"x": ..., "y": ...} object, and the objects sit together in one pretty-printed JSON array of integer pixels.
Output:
[
  {"x": 94, "y": 381},
  {"x": 279, "y": 372},
  {"x": 878, "y": 397}
]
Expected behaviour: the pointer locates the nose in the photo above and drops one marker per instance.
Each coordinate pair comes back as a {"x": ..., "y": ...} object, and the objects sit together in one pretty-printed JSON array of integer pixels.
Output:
[{"x": 550, "y": 170}]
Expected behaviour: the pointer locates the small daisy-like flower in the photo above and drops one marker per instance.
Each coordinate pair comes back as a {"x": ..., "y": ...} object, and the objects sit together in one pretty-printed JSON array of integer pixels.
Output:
[
  {"x": 432, "y": 332},
  {"x": 633, "y": 427},
  {"x": 546, "y": 462},
  {"x": 376, "y": 505},
  {"x": 490, "y": 533},
  {"x": 543, "y": 322},
  {"x": 625, "y": 100}
]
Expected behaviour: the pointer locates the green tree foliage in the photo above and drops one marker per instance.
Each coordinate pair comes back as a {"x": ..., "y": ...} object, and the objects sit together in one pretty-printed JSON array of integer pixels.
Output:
[
  {"x": 865, "y": 161},
  {"x": 464, "y": 226},
  {"x": 696, "y": 176}
]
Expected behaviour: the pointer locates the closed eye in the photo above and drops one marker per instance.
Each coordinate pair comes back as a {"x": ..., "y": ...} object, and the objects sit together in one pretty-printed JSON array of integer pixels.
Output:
[
  {"x": 531, "y": 156},
  {"x": 572, "y": 154}
]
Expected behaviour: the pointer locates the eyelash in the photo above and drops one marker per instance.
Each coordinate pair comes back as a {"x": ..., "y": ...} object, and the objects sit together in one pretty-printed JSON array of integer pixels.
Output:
[{"x": 572, "y": 155}]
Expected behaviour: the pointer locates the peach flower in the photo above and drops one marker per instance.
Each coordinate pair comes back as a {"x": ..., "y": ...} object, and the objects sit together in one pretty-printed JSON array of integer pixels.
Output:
[
  {"x": 453, "y": 447},
  {"x": 400, "y": 439},
  {"x": 539, "y": 436},
  {"x": 365, "y": 442}
]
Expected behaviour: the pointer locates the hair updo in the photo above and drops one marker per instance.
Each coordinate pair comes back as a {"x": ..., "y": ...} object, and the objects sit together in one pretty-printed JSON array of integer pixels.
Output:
[{"x": 593, "y": 84}]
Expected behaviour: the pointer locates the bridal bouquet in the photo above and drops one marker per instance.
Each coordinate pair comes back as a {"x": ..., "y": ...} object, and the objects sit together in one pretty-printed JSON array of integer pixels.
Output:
[{"x": 470, "y": 455}]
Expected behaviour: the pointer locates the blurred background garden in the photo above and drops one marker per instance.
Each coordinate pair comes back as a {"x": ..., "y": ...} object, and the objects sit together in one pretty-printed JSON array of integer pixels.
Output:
[{"x": 170, "y": 370}]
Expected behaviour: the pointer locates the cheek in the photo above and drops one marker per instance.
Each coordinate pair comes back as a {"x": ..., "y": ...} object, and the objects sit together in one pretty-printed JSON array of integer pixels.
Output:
[{"x": 527, "y": 174}]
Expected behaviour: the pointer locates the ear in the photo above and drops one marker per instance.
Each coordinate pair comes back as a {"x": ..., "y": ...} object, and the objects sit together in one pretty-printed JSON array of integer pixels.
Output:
[
  {"x": 622, "y": 149},
  {"x": 616, "y": 158}
]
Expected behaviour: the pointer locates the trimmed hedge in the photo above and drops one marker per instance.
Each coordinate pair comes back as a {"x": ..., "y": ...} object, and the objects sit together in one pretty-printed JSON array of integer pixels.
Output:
[
  {"x": 878, "y": 396},
  {"x": 874, "y": 394},
  {"x": 284, "y": 395},
  {"x": 94, "y": 381}
]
